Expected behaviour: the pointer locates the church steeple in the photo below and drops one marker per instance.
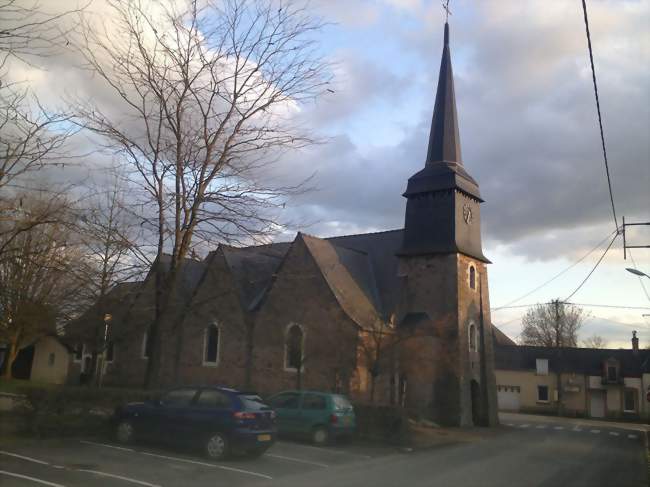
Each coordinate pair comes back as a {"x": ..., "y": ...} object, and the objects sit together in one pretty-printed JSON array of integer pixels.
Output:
[
  {"x": 442, "y": 214},
  {"x": 444, "y": 140}
]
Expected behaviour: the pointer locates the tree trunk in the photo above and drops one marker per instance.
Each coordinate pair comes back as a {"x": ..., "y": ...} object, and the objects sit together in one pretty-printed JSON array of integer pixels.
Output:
[
  {"x": 250, "y": 347},
  {"x": 12, "y": 353},
  {"x": 373, "y": 380},
  {"x": 163, "y": 296}
]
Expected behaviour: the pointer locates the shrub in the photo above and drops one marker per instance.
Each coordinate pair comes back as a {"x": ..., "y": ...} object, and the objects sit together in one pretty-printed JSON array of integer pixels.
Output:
[
  {"x": 385, "y": 423},
  {"x": 64, "y": 411}
]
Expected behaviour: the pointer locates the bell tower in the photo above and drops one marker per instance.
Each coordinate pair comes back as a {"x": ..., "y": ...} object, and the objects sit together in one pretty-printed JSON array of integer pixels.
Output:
[{"x": 444, "y": 276}]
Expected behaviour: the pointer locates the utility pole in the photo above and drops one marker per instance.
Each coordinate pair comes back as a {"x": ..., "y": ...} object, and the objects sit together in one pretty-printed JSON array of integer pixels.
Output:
[
  {"x": 558, "y": 344},
  {"x": 625, "y": 244}
]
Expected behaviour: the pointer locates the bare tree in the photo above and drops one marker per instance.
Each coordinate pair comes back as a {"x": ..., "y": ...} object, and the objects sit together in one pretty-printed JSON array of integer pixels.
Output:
[
  {"x": 377, "y": 347},
  {"x": 554, "y": 324},
  {"x": 206, "y": 91},
  {"x": 37, "y": 286},
  {"x": 594, "y": 341},
  {"x": 27, "y": 31},
  {"x": 32, "y": 137},
  {"x": 108, "y": 237}
]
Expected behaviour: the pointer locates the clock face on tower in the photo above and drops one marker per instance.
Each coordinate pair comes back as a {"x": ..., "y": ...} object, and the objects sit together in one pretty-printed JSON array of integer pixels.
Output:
[{"x": 467, "y": 213}]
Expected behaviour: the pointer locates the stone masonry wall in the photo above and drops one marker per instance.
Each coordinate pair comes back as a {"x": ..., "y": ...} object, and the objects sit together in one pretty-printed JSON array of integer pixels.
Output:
[{"x": 301, "y": 295}]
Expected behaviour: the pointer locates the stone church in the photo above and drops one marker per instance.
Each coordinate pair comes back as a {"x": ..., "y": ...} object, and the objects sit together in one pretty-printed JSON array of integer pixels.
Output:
[{"x": 400, "y": 316}]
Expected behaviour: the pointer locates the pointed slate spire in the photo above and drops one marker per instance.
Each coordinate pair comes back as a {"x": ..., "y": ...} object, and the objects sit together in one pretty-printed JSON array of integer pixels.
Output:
[
  {"x": 442, "y": 208},
  {"x": 444, "y": 139}
]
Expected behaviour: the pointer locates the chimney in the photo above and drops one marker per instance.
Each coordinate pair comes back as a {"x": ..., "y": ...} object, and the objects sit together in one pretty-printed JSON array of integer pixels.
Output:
[{"x": 635, "y": 343}]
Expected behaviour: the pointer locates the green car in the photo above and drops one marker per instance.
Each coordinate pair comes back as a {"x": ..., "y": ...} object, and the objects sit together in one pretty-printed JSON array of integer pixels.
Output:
[{"x": 321, "y": 416}]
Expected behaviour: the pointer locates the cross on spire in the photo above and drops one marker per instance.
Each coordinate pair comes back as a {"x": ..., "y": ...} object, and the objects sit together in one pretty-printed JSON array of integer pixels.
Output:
[{"x": 445, "y": 7}]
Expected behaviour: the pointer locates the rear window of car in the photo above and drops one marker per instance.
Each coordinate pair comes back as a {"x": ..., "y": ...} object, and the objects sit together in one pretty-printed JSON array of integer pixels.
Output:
[
  {"x": 252, "y": 402},
  {"x": 314, "y": 401},
  {"x": 212, "y": 398},
  {"x": 290, "y": 400},
  {"x": 341, "y": 403}
]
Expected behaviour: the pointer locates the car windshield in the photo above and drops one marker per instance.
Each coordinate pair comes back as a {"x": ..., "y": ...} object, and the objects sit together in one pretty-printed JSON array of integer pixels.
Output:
[
  {"x": 341, "y": 403},
  {"x": 252, "y": 402}
]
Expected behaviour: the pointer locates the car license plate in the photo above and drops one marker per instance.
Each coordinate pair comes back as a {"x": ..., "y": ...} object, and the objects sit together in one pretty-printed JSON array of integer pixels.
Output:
[{"x": 263, "y": 437}]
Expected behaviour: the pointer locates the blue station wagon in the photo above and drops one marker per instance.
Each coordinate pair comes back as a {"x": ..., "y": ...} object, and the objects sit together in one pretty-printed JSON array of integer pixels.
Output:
[{"x": 219, "y": 419}]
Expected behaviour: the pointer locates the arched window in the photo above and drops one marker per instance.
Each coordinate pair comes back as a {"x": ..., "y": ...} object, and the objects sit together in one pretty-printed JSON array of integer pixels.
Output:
[
  {"x": 472, "y": 337},
  {"x": 293, "y": 348},
  {"x": 472, "y": 277},
  {"x": 211, "y": 345},
  {"x": 146, "y": 343}
]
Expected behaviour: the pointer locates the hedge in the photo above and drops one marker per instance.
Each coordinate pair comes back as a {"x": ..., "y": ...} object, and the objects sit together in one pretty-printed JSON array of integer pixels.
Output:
[{"x": 71, "y": 410}]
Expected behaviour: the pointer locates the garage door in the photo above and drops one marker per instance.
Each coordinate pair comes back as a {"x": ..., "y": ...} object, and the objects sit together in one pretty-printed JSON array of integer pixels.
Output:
[
  {"x": 597, "y": 404},
  {"x": 508, "y": 398}
]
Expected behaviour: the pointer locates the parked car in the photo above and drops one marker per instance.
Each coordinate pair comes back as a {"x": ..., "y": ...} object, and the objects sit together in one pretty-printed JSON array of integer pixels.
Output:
[
  {"x": 219, "y": 419},
  {"x": 320, "y": 416}
]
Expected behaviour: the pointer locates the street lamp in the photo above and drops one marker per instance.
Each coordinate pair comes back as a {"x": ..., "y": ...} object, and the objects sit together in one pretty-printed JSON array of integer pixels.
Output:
[
  {"x": 637, "y": 272},
  {"x": 101, "y": 369}
]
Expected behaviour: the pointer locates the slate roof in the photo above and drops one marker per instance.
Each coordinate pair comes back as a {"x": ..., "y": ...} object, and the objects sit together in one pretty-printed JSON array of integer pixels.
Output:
[
  {"x": 587, "y": 361},
  {"x": 362, "y": 266},
  {"x": 118, "y": 300},
  {"x": 381, "y": 249},
  {"x": 501, "y": 338},
  {"x": 191, "y": 273},
  {"x": 349, "y": 275},
  {"x": 253, "y": 269}
]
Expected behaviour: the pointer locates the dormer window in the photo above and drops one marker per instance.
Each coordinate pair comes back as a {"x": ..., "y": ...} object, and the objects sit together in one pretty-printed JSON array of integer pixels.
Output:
[
  {"x": 612, "y": 373},
  {"x": 612, "y": 370},
  {"x": 541, "y": 366}
]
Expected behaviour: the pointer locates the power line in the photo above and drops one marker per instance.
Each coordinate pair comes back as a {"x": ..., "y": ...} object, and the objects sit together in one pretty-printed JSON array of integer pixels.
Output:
[
  {"x": 600, "y": 118},
  {"x": 557, "y": 275},
  {"x": 613, "y": 306},
  {"x": 629, "y": 325},
  {"x": 593, "y": 269},
  {"x": 642, "y": 308}
]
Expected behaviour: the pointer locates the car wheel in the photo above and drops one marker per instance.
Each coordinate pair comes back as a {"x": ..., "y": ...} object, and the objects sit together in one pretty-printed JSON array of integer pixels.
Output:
[
  {"x": 216, "y": 447},
  {"x": 320, "y": 436},
  {"x": 125, "y": 432}
]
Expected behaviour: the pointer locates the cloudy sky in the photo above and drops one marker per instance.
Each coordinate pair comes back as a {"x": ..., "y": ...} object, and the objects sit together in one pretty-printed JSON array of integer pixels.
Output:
[{"x": 528, "y": 130}]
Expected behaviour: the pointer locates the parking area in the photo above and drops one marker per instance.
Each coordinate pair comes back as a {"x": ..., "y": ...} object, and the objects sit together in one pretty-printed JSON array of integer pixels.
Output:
[{"x": 72, "y": 463}]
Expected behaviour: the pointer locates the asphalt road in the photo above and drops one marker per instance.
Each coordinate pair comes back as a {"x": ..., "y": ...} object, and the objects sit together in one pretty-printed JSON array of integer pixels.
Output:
[{"x": 525, "y": 451}]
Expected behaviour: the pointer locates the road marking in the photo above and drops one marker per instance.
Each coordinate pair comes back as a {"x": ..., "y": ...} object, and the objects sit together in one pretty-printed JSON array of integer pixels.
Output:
[
  {"x": 524, "y": 425},
  {"x": 558, "y": 427},
  {"x": 33, "y": 479},
  {"x": 595, "y": 431},
  {"x": 577, "y": 429},
  {"x": 186, "y": 460},
  {"x": 205, "y": 464},
  {"x": 107, "y": 446},
  {"x": 632, "y": 437},
  {"x": 613, "y": 433},
  {"x": 509, "y": 424},
  {"x": 541, "y": 427},
  {"x": 299, "y": 460},
  {"x": 29, "y": 459},
  {"x": 127, "y": 479},
  {"x": 326, "y": 450}
]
